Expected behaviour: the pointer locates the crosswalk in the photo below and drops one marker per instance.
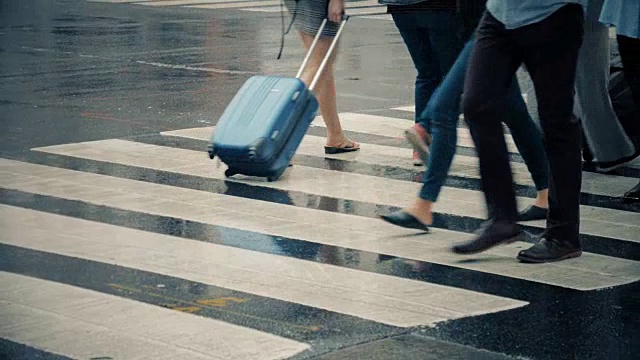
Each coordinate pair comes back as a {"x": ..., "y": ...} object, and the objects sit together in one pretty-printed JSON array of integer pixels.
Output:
[
  {"x": 110, "y": 240},
  {"x": 369, "y": 9}
]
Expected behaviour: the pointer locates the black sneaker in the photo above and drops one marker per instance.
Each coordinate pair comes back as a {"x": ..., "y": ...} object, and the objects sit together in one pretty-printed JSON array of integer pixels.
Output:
[
  {"x": 549, "y": 250},
  {"x": 493, "y": 233}
]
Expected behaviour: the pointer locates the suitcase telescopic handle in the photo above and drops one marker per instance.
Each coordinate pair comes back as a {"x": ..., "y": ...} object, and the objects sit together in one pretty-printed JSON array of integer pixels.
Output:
[{"x": 325, "y": 60}]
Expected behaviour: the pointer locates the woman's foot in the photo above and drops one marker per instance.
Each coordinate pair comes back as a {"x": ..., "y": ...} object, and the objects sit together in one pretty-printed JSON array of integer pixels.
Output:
[
  {"x": 421, "y": 210},
  {"x": 538, "y": 210},
  {"x": 532, "y": 212},
  {"x": 417, "y": 216},
  {"x": 417, "y": 160},
  {"x": 346, "y": 145},
  {"x": 404, "y": 219},
  {"x": 420, "y": 139}
]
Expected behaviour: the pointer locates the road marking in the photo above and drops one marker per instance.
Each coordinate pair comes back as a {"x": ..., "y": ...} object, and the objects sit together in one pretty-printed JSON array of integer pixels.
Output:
[
  {"x": 359, "y": 8},
  {"x": 589, "y": 272},
  {"x": 382, "y": 298},
  {"x": 237, "y": 5},
  {"x": 188, "y": 2},
  {"x": 386, "y": 17},
  {"x": 120, "y": 1},
  {"x": 596, "y": 221},
  {"x": 185, "y": 67},
  {"x": 463, "y": 166},
  {"x": 389, "y": 126},
  {"x": 81, "y": 323},
  {"x": 220, "y": 302},
  {"x": 177, "y": 304}
]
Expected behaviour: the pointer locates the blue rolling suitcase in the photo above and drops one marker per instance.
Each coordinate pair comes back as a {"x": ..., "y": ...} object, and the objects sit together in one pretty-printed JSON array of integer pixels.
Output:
[{"x": 264, "y": 124}]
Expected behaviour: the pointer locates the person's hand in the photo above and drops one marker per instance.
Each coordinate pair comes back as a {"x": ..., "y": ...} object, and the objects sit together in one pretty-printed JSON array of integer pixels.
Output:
[{"x": 336, "y": 10}]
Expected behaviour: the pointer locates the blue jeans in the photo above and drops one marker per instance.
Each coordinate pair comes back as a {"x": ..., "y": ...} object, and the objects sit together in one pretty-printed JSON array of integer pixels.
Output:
[
  {"x": 430, "y": 37},
  {"x": 440, "y": 118}
]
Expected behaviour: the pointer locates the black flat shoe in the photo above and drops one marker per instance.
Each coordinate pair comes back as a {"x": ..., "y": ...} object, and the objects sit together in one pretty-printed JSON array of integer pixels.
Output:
[
  {"x": 493, "y": 234},
  {"x": 549, "y": 250},
  {"x": 633, "y": 195},
  {"x": 531, "y": 213},
  {"x": 405, "y": 220}
]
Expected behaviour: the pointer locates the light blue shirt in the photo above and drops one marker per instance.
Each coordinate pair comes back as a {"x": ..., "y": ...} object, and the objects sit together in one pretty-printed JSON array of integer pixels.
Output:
[
  {"x": 624, "y": 15},
  {"x": 518, "y": 13},
  {"x": 399, "y": 2}
]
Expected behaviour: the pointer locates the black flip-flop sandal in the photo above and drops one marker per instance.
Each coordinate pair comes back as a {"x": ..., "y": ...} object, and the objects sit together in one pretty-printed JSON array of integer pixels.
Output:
[{"x": 340, "y": 150}]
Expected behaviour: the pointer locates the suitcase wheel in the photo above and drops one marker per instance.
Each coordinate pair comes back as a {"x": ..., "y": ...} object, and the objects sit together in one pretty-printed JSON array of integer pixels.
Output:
[{"x": 229, "y": 173}]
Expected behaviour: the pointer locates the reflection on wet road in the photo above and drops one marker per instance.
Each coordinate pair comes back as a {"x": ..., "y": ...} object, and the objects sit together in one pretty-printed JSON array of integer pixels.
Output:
[{"x": 121, "y": 239}]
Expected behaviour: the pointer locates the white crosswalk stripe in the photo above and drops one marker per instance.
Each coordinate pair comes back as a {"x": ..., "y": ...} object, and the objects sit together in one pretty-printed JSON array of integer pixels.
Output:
[
  {"x": 36, "y": 316},
  {"x": 464, "y": 166},
  {"x": 35, "y": 310},
  {"x": 387, "y": 126},
  {"x": 462, "y": 202},
  {"x": 282, "y": 220},
  {"x": 392, "y": 301}
]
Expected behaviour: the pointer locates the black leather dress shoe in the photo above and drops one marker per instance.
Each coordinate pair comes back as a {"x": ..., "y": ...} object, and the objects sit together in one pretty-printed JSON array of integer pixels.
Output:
[
  {"x": 531, "y": 213},
  {"x": 608, "y": 166},
  {"x": 405, "y": 220},
  {"x": 548, "y": 250},
  {"x": 494, "y": 233},
  {"x": 633, "y": 195}
]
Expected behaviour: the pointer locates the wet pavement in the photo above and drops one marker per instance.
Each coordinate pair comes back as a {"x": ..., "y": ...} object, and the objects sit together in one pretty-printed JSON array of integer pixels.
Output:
[{"x": 121, "y": 239}]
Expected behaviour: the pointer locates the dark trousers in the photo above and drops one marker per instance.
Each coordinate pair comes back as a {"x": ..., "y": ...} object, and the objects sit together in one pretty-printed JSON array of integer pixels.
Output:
[
  {"x": 433, "y": 46},
  {"x": 549, "y": 50}
]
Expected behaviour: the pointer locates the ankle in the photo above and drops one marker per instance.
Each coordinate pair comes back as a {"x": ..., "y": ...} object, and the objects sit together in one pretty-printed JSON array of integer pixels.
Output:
[
  {"x": 542, "y": 199},
  {"x": 541, "y": 204},
  {"x": 337, "y": 139},
  {"x": 422, "y": 210},
  {"x": 422, "y": 132},
  {"x": 336, "y": 135}
]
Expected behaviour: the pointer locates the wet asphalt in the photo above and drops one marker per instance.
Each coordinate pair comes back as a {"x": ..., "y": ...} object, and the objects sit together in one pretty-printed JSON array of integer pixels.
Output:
[{"x": 75, "y": 71}]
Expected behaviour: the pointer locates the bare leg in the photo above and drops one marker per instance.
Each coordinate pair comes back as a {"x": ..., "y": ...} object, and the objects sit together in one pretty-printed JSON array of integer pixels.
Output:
[{"x": 325, "y": 91}]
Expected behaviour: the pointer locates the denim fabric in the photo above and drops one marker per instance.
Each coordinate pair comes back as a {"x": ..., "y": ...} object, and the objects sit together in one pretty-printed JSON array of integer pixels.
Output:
[
  {"x": 430, "y": 37},
  {"x": 441, "y": 119}
]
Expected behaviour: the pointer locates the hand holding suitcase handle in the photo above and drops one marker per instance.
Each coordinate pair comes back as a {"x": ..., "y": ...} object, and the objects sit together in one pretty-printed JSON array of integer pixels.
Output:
[
  {"x": 316, "y": 77},
  {"x": 335, "y": 10}
]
